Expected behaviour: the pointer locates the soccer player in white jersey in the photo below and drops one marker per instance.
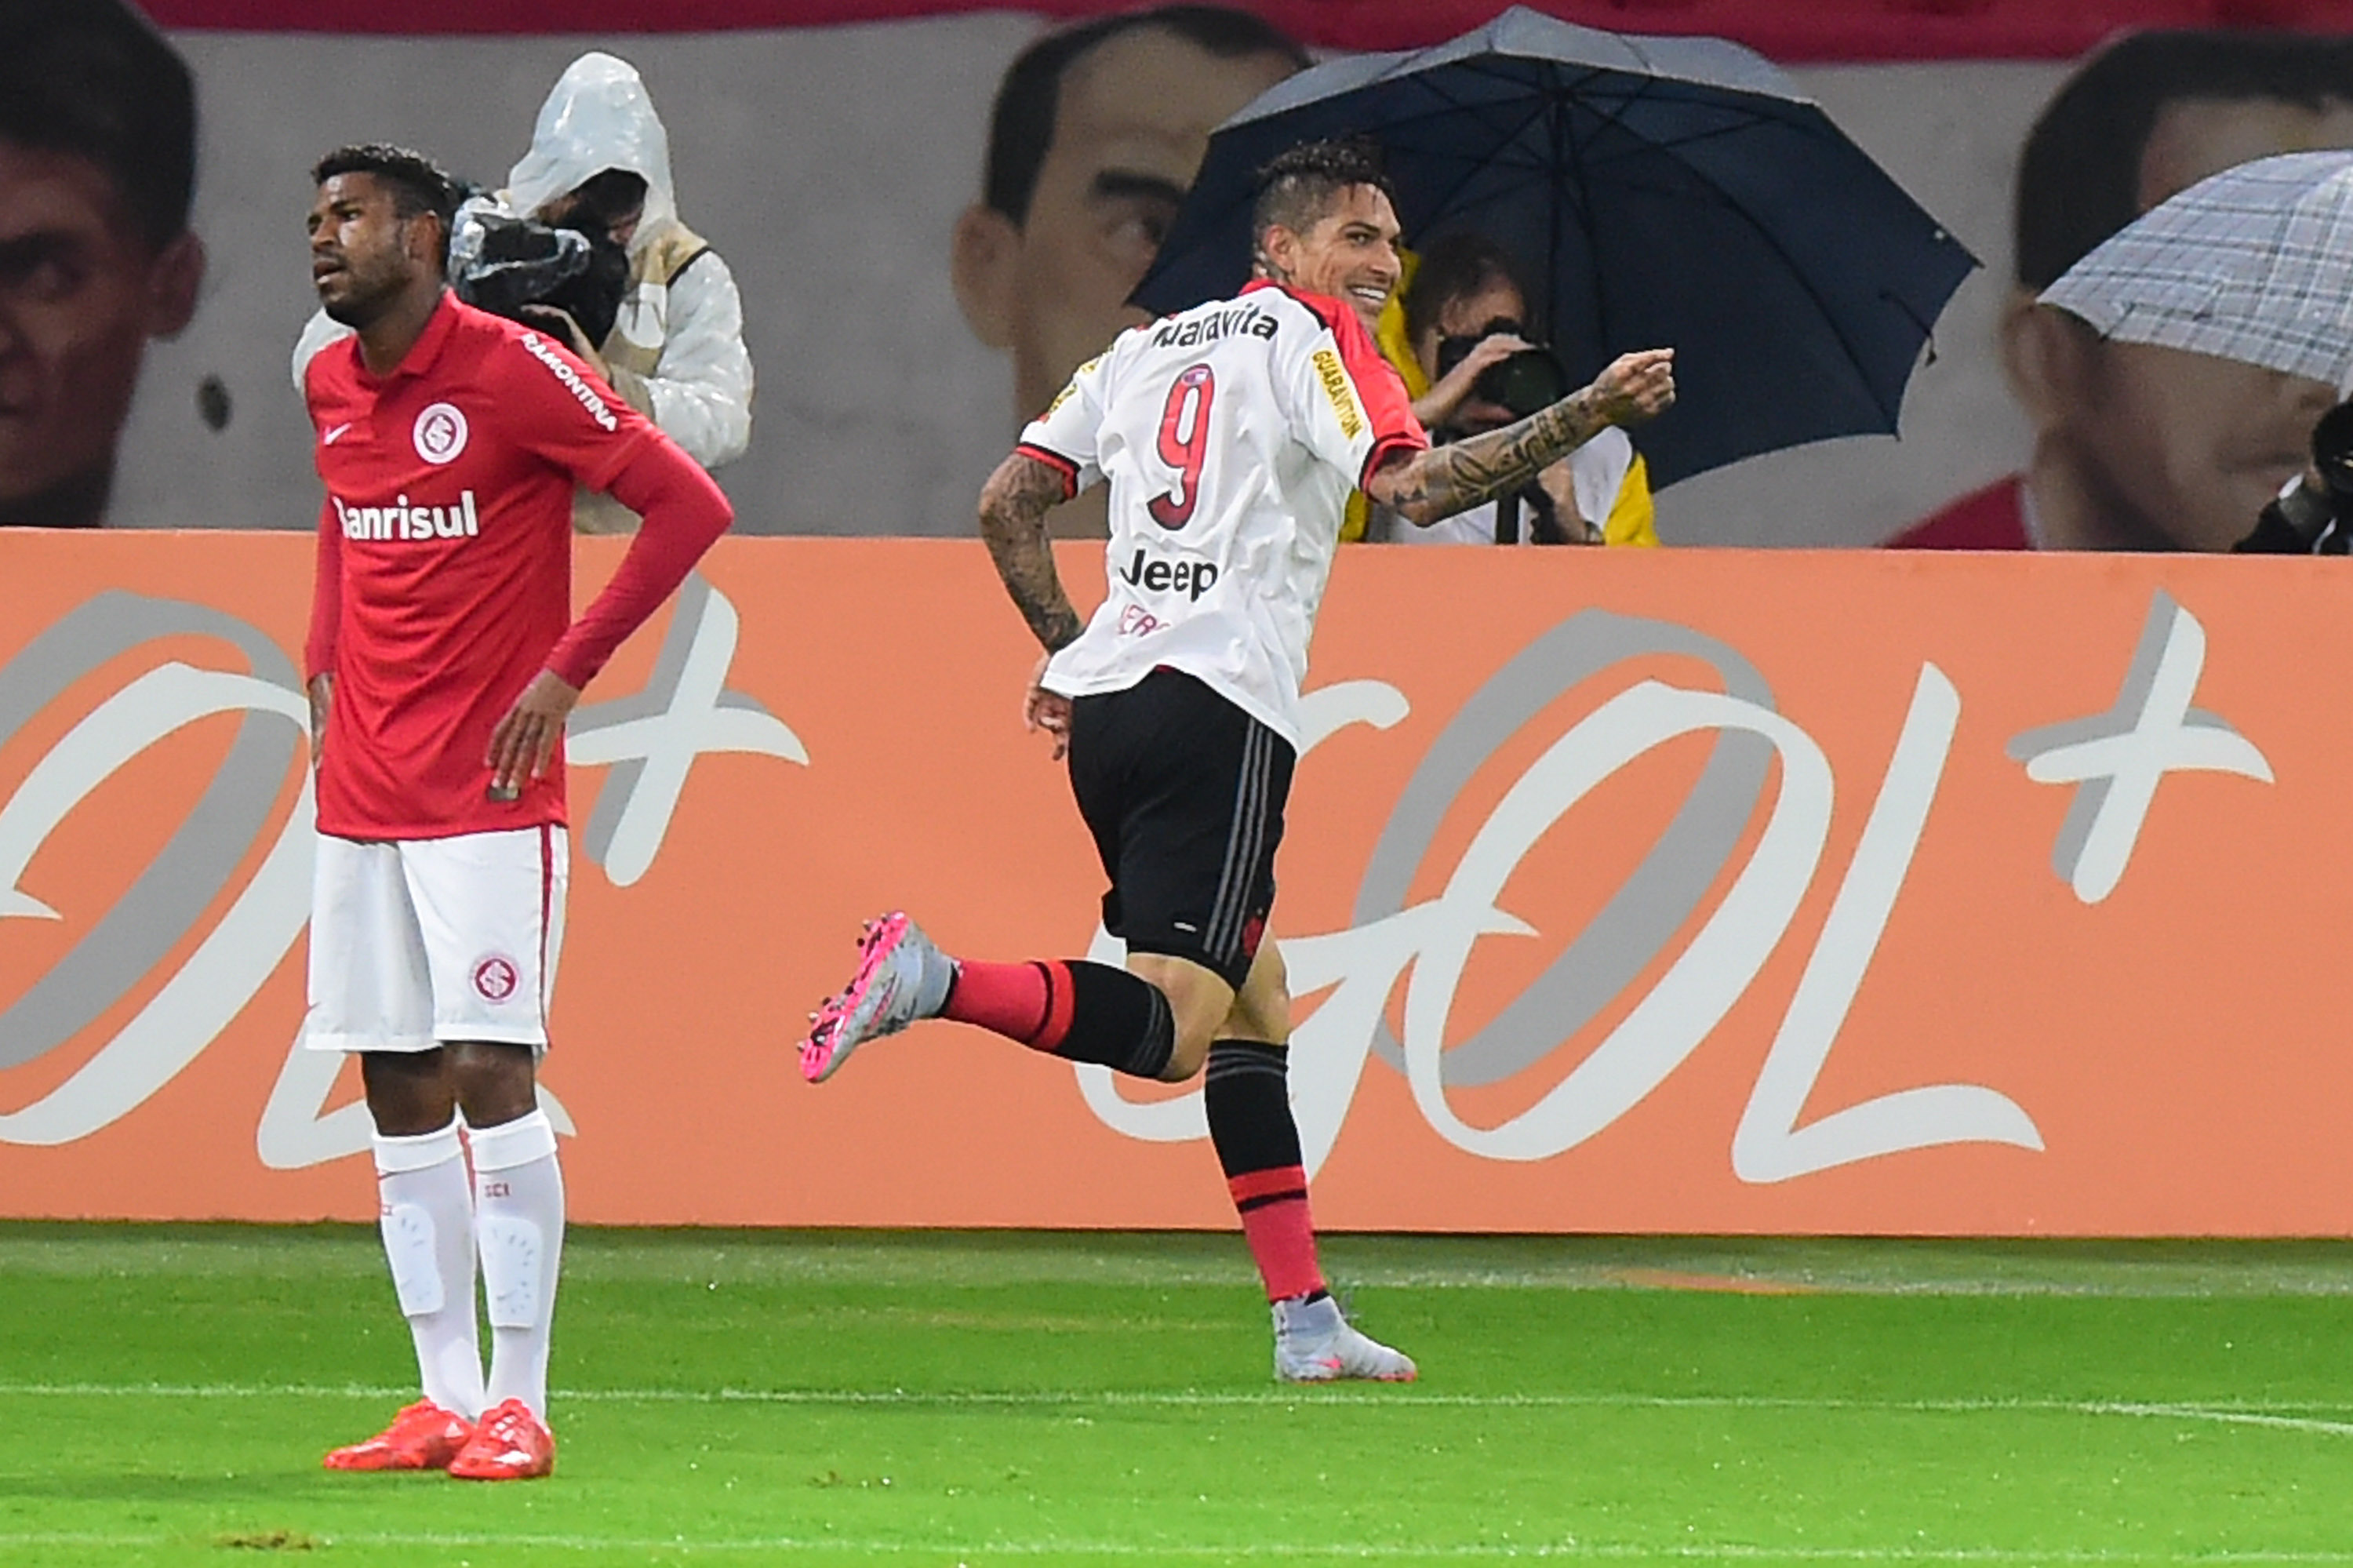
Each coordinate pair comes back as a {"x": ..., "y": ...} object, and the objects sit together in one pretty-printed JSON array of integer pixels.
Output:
[{"x": 1232, "y": 435}]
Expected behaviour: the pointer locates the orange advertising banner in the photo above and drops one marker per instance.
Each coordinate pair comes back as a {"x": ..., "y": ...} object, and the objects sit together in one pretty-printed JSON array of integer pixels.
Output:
[{"x": 1700, "y": 892}]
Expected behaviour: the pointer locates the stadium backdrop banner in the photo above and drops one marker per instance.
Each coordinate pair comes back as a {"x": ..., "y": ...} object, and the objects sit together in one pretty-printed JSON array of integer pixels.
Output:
[
  {"x": 1736, "y": 892},
  {"x": 826, "y": 147}
]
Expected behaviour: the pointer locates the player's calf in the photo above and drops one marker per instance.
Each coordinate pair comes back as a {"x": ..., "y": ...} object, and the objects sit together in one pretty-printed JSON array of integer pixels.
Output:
[{"x": 1080, "y": 1010}]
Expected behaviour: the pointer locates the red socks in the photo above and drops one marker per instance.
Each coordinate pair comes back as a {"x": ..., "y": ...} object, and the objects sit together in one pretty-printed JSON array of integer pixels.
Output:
[
  {"x": 1029, "y": 1002},
  {"x": 1247, "y": 1098},
  {"x": 1274, "y": 1207},
  {"x": 1078, "y": 1011}
]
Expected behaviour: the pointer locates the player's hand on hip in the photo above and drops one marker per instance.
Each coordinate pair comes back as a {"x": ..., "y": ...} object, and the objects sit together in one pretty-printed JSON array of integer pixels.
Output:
[
  {"x": 525, "y": 742},
  {"x": 1637, "y": 387},
  {"x": 1048, "y": 711},
  {"x": 323, "y": 699}
]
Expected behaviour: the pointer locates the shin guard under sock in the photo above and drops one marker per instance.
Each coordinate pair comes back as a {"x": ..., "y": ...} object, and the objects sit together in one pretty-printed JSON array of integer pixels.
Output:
[
  {"x": 1080, "y": 1010},
  {"x": 1248, "y": 1100},
  {"x": 428, "y": 1223},
  {"x": 519, "y": 1219}
]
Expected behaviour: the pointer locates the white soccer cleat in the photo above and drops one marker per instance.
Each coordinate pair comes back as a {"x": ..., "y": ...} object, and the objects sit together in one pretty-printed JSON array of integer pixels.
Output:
[
  {"x": 1312, "y": 1343},
  {"x": 901, "y": 977}
]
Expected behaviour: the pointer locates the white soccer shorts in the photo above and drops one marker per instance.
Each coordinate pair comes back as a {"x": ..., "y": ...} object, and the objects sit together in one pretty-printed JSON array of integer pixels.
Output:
[{"x": 418, "y": 941}]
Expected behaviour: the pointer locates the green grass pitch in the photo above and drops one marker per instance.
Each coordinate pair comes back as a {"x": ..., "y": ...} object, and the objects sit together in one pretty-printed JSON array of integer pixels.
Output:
[{"x": 1019, "y": 1399}]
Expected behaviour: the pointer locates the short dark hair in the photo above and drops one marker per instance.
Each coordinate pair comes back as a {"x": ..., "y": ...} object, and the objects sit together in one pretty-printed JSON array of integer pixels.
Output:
[
  {"x": 1030, "y": 98},
  {"x": 418, "y": 184},
  {"x": 1456, "y": 267},
  {"x": 95, "y": 80},
  {"x": 2079, "y": 175},
  {"x": 1297, "y": 187}
]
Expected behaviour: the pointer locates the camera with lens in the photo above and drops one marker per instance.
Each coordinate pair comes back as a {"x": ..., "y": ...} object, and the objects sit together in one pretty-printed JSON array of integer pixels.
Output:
[
  {"x": 2312, "y": 519},
  {"x": 1520, "y": 384},
  {"x": 519, "y": 268},
  {"x": 1531, "y": 379}
]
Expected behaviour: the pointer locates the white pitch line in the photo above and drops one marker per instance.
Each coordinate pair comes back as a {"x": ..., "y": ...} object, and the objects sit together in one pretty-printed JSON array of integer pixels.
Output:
[
  {"x": 2286, "y": 1417},
  {"x": 1569, "y": 1549},
  {"x": 2232, "y": 1414}
]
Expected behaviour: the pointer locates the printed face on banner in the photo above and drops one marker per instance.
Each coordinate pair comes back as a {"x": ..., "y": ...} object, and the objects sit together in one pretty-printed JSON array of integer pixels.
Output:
[
  {"x": 2175, "y": 450},
  {"x": 813, "y": 160},
  {"x": 2158, "y": 449},
  {"x": 2202, "y": 441},
  {"x": 81, "y": 292},
  {"x": 1131, "y": 125}
]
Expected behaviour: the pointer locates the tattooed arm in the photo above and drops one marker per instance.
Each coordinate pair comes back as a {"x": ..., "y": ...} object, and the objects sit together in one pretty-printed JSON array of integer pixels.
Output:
[
  {"x": 1013, "y": 507},
  {"x": 1439, "y": 482}
]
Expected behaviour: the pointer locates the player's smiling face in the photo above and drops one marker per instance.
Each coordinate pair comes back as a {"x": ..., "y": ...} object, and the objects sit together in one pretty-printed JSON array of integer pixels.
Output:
[
  {"x": 361, "y": 253},
  {"x": 1349, "y": 253}
]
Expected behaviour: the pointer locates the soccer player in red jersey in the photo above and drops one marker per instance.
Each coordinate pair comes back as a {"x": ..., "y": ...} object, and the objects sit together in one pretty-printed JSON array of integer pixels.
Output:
[
  {"x": 1230, "y": 436},
  {"x": 443, "y": 662}
]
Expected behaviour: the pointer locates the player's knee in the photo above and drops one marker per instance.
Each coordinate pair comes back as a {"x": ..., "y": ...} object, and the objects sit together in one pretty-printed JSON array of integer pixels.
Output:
[
  {"x": 1262, "y": 1008},
  {"x": 1186, "y": 1059},
  {"x": 1199, "y": 1013},
  {"x": 1251, "y": 1020},
  {"x": 495, "y": 1082},
  {"x": 408, "y": 1092},
  {"x": 1269, "y": 976},
  {"x": 1197, "y": 997}
]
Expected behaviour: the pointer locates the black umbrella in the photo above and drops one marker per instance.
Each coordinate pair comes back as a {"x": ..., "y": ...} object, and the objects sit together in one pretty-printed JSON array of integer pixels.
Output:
[{"x": 1664, "y": 192}]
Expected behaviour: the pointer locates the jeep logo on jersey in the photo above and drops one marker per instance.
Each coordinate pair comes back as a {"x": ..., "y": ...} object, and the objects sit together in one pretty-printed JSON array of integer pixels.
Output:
[
  {"x": 1191, "y": 579},
  {"x": 440, "y": 433},
  {"x": 401, "y": 521}
]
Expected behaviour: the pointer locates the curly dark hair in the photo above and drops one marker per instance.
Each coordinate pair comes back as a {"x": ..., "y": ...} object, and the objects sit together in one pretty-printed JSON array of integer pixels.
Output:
[
  {"x": 1297, "y": 187},
  {"x": 418, "y": 184}
]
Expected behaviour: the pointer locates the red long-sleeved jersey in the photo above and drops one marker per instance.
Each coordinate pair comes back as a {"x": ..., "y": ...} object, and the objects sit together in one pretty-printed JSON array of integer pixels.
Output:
[{"x": 444, "y": 561}]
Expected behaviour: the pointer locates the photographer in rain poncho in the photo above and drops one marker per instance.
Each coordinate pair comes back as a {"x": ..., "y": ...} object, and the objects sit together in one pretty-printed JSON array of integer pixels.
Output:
[{"x": 603, "y": 263}]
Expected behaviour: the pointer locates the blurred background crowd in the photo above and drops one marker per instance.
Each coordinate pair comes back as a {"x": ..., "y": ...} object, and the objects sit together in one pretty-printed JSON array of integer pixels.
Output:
[{"x": 842, "y": 261}]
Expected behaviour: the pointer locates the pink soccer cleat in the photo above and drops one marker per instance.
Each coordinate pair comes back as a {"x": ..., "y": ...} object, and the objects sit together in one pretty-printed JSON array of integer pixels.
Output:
[{"x": 900, "y": 977}]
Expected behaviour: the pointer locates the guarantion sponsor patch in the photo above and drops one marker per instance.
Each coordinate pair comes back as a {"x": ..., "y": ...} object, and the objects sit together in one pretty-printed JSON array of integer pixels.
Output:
[
  {"x": 1343, "y": 395},
  {"x": 1070, "y": 387}
]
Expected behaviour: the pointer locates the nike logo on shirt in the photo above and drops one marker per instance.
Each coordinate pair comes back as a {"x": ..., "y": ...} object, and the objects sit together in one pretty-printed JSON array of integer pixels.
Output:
[{"x": 327, "y": 437}]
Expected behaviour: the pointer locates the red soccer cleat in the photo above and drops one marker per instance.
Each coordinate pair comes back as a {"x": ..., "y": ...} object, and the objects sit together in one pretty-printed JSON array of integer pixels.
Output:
[
  {"x": 511, "y": 1445},
  {"x": 424, "y": 1436}
]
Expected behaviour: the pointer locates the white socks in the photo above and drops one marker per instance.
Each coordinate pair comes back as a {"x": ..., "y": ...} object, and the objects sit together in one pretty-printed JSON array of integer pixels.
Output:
[
  {"x": 427, "y": 1221},
  {"x": 519, "y": 1217}
]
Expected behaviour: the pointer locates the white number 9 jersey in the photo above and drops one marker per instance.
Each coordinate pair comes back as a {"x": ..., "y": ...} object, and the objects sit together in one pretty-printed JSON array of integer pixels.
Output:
[{"x": 1232, "y": 435}]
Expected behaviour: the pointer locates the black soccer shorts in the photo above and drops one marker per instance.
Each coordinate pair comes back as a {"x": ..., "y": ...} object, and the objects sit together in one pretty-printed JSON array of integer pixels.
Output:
[{"x": 1184, "y": 793}]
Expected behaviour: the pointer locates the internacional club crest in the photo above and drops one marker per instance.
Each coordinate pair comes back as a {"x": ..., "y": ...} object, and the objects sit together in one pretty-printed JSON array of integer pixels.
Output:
[
  {"x": 440, "y": 433},
  {"x": 496, "y": 977}
]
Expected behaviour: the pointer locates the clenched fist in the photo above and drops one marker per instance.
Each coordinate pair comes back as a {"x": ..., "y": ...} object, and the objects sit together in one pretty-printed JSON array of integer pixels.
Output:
[{"x": 1637, "y": 387}]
